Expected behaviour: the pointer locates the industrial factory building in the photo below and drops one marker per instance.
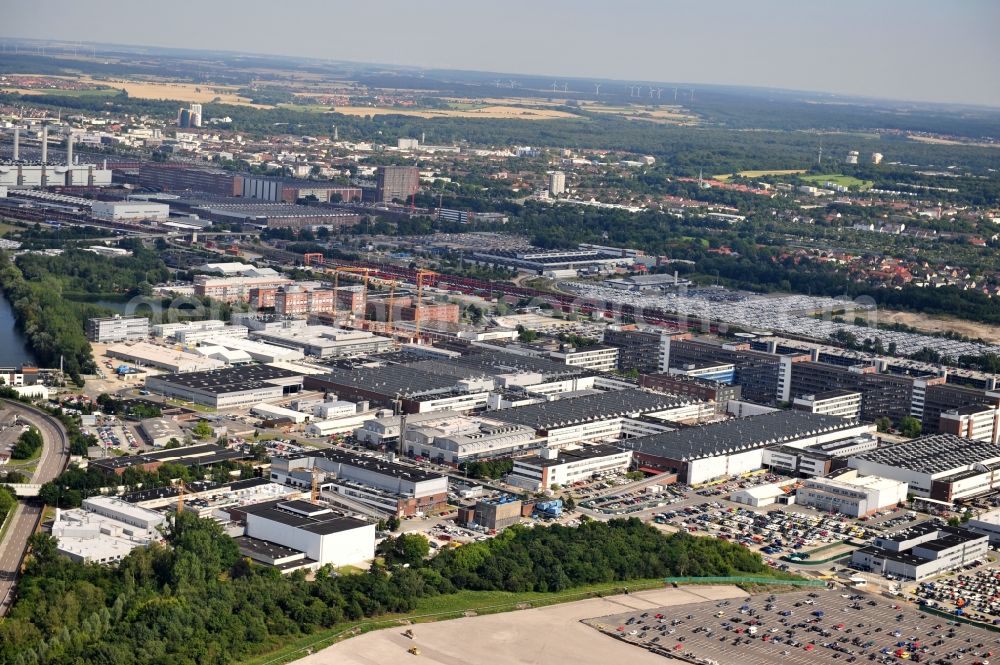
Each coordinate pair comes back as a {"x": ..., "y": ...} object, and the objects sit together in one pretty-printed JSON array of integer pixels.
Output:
[
  {"x": 228, "y": 388},
  {"x": 321, "y": 535},
  {"x": 719, "y": 450}
]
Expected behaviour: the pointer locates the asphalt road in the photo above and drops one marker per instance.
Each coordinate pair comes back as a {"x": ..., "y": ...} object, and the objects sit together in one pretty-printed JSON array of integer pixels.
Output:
[{"x": 54, "y": 457}]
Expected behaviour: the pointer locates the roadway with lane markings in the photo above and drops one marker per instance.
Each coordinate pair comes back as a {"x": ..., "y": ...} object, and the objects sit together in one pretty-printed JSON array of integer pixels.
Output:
[{"x": 27, "y": 515}]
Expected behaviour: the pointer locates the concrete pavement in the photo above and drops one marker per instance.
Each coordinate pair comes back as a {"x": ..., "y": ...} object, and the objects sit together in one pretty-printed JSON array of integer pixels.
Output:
[{"x": 26, "y": 516}]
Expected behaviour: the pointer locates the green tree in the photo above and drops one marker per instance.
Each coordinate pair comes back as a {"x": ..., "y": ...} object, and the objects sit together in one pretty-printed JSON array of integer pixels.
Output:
[
  {"x": 406, "y": 549},
  {"x": 910, "y": 426},
  {"x": 883, "y": 424},
  {"x": 202, "y": 430}
]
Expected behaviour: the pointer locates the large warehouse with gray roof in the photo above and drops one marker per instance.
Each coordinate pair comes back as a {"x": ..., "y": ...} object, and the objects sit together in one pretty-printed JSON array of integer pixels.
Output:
[{"x": 700, "y": 454}]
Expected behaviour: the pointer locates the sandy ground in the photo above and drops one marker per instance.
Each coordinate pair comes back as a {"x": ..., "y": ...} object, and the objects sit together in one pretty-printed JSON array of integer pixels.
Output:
[
  {"x": 544, "y": 636},
  {"x": 936, "y": 324}
]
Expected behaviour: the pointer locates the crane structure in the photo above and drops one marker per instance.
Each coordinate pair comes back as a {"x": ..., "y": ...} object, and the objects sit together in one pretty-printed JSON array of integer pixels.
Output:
[
  {"x": 314, "y": 495},
  {"x": 421, "y": 274},
  {"x": 313, "y": 257}
]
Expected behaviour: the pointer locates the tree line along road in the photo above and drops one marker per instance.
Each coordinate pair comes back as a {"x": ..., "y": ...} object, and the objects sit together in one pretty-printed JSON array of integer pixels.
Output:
[{"x": 24, "y": 519}]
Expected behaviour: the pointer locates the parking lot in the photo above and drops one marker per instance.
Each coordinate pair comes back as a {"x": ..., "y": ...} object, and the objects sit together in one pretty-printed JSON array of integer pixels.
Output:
[
  {"x": 821, "y": 626},
  {"x": 975, "y": 594}
]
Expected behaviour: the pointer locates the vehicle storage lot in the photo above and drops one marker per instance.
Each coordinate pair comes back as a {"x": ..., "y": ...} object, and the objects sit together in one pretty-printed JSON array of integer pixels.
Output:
[
  {"x": 823, "y": 626},
  {"x": 545, "y": 636},
  {"x": 976, "y": 593}
]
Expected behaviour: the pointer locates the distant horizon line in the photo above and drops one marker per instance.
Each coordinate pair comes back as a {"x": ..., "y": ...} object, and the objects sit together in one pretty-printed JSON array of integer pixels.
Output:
[{"x": 842, "y": 96}]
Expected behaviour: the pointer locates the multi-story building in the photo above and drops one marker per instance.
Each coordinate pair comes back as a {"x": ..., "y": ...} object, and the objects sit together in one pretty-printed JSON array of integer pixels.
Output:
[
  {"x": 234, "y": 289},
  {"x": 941, "y": 398},
  {"x": 557, "y": 183},
  {"x": 843, "y": 403},
  {"x": 638, "y": 350},
  {"x": 266, "y": 188},
  {"x": 978, "y": 422},
  {"x": 709, "y": 369},
  {"x": 598, "y": 358},
  {"x": 694, "y": 388},
  {"x": 177, "y": 177},
  {"x": 498, "y": 514},
  {"x": 882, "y": 394},
  {"x": 565, "y": 467},
  {"x": 763, "y": 376},
  {"x": 293, "y": 300},
  {"x": 396, "y": 183},
  {"x": 111, "y": 329}
]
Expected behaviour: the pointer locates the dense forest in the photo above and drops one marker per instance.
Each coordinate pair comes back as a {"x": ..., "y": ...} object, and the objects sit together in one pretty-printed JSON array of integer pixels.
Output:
[
  {"x": 39, "y": 288},
  {"x": 198, "y": 601}
]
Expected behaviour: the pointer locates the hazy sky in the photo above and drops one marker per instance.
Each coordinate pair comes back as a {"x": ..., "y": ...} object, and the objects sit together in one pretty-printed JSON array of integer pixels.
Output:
[{"x": 943, "y": 50}]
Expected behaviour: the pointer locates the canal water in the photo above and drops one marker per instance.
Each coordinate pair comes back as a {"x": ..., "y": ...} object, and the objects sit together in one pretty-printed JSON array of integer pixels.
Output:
[{"x": 14, "y": 349}]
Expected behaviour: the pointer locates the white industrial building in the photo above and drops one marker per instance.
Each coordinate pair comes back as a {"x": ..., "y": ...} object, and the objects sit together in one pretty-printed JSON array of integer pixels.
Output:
[
  {"x": 109, "y": 329},
  {"x": 379, "y": 484},
  {"x": 987, "y": 524},
  {"x": 733, "y": 447},
  {"x": 322, "y": 535},
  {"x": 228, "y": 356},
  {"x": 105, "y": 530},
  {"x": 325, "y": 341},
  {"x": 262, "y": 352},
  {"x": 564, "y": 467},
  {"x": 275, "y": 412},
  {"x": 159, "y": 431},
  {"x": 600, "y": 416},
  {"x": 384, "y": 430},
  {"x": 849, "y": 494},
  {"x": 943, "y": 467},
  {"x": 454, "y": 439},
  {"x": 145, "y": 354},
  {"x": 169, "y": 330},
  {"x": 921, "y": 551},
  {"x": 131, "y": 210},
  {"x": 768, "y": 494},
  {"x": 232, "y": 387}
]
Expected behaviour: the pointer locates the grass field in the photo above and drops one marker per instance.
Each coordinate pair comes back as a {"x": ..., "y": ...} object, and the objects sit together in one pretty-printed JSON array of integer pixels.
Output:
[
  {"x": 441, "y": 608},
  {"x": 670, "y": 115},
  {"x": 844, "y": 180},
  {"x": 474, "y": 111}
]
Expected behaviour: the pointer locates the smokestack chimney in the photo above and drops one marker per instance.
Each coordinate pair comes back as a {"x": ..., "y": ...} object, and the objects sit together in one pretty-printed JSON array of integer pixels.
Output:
[
  {"x": 45, "y": 144},
  {"x": 17, "y": 143},
  {"x": 69, "y": 149}
]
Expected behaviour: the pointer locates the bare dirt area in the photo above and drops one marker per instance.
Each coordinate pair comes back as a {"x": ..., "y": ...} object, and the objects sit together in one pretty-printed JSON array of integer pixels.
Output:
[
  {"x": 546, "y": 635},
  {"x": 941, "y": 324}
]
